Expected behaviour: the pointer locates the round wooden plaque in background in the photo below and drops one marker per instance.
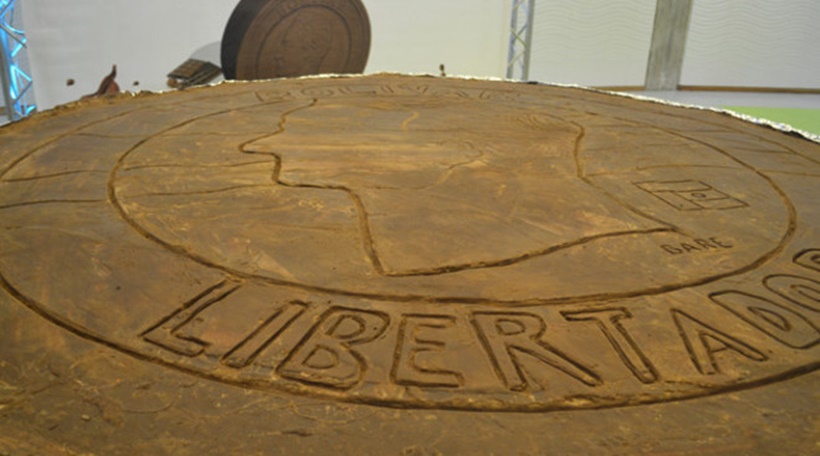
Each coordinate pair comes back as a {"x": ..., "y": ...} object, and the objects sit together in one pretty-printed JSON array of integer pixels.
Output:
[
  {"x": 450, "y": 265},
  {"x": 267, "y": 39}
]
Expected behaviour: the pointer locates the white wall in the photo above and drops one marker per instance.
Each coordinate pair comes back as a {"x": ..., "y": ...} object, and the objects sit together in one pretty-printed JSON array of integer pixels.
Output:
[
  {"x": 753, "y": 43},
  {"x": 592, "y": 42},
  {"x": 81, "y": 39},
  {"x": 415, "y": 36}
]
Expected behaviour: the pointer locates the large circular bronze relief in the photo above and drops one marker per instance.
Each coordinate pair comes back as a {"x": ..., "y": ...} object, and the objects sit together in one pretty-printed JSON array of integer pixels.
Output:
[
  {"x": 422, "y": 242},
  {"x": 267, "y": 39}
]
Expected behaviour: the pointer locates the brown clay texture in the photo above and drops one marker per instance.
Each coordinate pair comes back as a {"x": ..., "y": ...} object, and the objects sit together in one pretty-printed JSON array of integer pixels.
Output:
[{"x": 405, "y": 265}]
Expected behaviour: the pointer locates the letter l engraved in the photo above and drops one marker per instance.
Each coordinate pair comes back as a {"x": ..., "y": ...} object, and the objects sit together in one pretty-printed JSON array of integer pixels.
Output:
[{"x": 164, "y": 334}]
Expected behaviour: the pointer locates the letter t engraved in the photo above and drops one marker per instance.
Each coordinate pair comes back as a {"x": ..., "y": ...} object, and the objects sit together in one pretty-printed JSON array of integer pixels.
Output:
[
  {"x": 511, "y": 337},
  {"x": 609, "y": 320}
]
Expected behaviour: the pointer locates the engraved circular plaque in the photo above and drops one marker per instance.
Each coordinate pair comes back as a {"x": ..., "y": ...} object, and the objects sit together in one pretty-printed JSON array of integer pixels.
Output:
[
  {"x": 267, "y": 39},
  {"x": 422, "y": 242}
]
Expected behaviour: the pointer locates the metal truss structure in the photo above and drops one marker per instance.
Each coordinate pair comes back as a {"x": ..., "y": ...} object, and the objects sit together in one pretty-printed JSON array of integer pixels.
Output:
[
  {"x": 521, "y": 24},
  {"x": 17, "y": 84}
]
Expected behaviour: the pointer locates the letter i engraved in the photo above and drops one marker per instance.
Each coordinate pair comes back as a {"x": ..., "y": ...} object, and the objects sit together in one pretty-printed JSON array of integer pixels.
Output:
[
  {"x": 511, "y": 337},
  {"x": 164, "y": 333},
  {"x": 609, "y": 320},
  {"x": 246, "y": 351}
]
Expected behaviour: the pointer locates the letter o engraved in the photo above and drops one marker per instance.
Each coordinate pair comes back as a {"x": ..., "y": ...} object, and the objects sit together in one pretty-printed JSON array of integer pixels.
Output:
[{"x": 421, "y": 242}]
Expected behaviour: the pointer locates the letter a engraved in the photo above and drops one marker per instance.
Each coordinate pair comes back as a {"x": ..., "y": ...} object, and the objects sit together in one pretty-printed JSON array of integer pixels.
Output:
[
  {"x": 609, "y": 320},
  {"x": 325, "y": 356},
  {"x": 703, "y": 341},
  {"x": 511, "y": 337},
  {"x": 784, "y": 325}
]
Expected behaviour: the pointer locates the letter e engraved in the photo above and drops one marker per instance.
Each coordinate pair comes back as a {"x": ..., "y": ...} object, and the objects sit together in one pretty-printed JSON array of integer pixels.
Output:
[
  {"x": 325, "y": 356},
  {"x": 511, "y": 337},
  {"x": 703, "y": 341},
  {"x": 808, "y": 259},
  {"x": 783, "y": 325},
  {"x": 164, "y": 333},
  {"x": 799, "y": 290},
  {"x": 245, "y": 352},
  {"x": 417, "y": 341},
  {"x": 609, "y": 321}
]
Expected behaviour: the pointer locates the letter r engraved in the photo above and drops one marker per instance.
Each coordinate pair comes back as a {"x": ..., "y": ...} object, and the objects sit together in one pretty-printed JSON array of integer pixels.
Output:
[
  {"x": 418, "y": 340},
  {"x": 510, "y": 337},
  {"x": 609, "y": 320},
  {"x": 325, "y": 357}
]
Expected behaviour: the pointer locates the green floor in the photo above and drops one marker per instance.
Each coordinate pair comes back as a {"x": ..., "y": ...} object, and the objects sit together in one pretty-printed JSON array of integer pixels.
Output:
[{"x": 802, "y": 119}]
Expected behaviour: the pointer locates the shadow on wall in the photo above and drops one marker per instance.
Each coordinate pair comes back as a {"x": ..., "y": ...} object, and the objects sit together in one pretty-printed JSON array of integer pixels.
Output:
[{"x": 209, "y": 53}]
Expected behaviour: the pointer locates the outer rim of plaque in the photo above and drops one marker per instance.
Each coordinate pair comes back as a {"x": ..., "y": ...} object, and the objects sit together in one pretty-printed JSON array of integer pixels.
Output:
[{"x": 299, "y": 391}]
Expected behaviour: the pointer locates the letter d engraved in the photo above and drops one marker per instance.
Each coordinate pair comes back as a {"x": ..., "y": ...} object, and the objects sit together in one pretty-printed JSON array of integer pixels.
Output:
[
  {"x": 785, "y": 326},
  {"x": 511, "y": 337},
  {"x": 325, "y": 356}
]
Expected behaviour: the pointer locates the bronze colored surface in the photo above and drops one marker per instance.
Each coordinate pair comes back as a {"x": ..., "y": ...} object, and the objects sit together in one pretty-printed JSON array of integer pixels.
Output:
[
  {"x": 285, "y": 38},
  {"x": 449, "y": 265}
]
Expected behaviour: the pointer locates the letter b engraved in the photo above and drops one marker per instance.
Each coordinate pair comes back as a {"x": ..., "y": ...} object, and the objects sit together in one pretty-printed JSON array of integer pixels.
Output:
[
  {"x": 511, "y": 337},
  {"x": 325, "y": 356}
]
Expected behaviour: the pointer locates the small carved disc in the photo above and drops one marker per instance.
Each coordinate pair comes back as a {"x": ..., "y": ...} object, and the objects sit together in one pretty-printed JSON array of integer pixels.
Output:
[
  {"x": 422, "y": 242},
  {"x": 267, "y": 39}
]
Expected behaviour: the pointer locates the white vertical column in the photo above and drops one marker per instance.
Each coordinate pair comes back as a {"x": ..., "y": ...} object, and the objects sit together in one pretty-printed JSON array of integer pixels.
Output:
[
  {"x": 17, "y": 86},
  {"x": 668, "y": 43},
  {"x": 518, "y": 57}
]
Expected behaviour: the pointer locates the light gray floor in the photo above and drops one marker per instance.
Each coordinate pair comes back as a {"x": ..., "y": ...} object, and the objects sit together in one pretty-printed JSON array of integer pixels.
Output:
[{"x": 718, "y": 99}]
